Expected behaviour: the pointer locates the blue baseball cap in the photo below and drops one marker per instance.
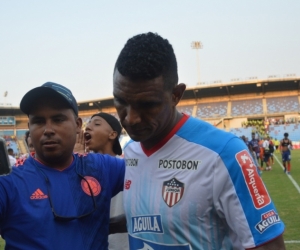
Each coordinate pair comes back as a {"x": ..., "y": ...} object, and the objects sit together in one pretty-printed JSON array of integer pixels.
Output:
[{"x": 49, "y": 89}]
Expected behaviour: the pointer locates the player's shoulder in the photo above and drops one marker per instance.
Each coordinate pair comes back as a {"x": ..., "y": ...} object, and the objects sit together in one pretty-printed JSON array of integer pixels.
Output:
[
  {"x": 205, "y": 134},
  {"x": 94, "y": 160}
]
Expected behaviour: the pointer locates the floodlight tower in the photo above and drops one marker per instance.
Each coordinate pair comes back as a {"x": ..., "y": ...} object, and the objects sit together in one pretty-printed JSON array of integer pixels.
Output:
[{"x": 197, "y": 45}]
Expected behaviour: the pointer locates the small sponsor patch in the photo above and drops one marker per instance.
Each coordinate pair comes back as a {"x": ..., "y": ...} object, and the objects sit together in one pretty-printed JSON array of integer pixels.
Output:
[
  {"x": 146, "y": 224},
  {"x": 131, "y": 162},
  {"x": 127, "y": 184},
  {"x": 256, "y": 187},
  {"x": 172, "y": 191},
  {"x": 268, "y": 219}
]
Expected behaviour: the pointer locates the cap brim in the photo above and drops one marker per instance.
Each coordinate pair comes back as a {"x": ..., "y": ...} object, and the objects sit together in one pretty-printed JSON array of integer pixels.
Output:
[{"x": 29, "y": 99}]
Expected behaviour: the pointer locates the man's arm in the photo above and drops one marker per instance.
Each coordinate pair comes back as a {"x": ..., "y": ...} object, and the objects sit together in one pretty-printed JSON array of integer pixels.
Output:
[
  {"x": 276, "y": 244},
  {"x": 117, "y": 224}
]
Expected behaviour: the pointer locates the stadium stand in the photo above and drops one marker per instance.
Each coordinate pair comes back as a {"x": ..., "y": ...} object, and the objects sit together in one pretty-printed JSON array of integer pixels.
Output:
[
  {"x": 210, "y": 110},
  {"x": 242, "y": 131},
  {"x": 246, "y": 107},
  {"x": 186, "y": 109},
  {"x": 282, "y": 104},
  {"x": 277, "y": 131}
]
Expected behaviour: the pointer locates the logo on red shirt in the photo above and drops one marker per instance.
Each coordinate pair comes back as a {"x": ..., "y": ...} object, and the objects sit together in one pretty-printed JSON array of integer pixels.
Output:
[{"x": 257, "y": 189}]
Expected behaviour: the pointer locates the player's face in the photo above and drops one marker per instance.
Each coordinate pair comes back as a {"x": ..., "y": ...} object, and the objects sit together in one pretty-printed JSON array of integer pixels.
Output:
[
  {"x": 145, "y": 109},
  {"x": 53, "y": 128},
  {"x": 97, "y": 134}
]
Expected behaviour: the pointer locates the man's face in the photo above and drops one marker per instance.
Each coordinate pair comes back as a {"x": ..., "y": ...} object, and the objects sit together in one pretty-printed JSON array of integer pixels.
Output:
[
  {"x": 53, "y": 128},
  {"x": 98, "y": 133},
  {"x": 145, "y": 109}
]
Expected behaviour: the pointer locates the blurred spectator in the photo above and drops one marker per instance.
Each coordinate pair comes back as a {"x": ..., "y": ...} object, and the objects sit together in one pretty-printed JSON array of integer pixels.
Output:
[{"x": 11, "y": 157}]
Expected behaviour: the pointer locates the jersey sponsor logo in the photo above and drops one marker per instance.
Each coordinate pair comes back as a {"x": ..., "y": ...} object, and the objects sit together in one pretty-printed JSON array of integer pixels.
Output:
[
  {"x": 268, "y": 219},
  {"x": 92, "y": 183},
  {"x": 172, "y": 191},
  {"x": 38, "y": 195},
  {"x": 257, "y": 189},
  {"x": 178, "y": 164},
  {"x": 143, "y": 244},
  {"x": 127, "y": 184},
  {"x": 131, "y": 162},
  {"x": 146, "y": 224}
]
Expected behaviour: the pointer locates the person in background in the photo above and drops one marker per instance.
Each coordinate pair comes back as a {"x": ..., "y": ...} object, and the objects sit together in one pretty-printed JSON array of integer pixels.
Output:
[
  {"x": 255, "y": 145},
  {"x": 29, "y": 142},
  {"x": 30, "y": 147},
  {"x": 253, "y": 154},
  {"x": 184, "y": 187},
  {"x": 285, "y": 149},
  {"x": 266, "y": 152},
  {"x": 57, "y": 199},
  {"x": 277, "y": 143},
  {"x": 102, "y": 135},
  {"x": 272, "y": 149},
  {"x": 11, "y": 157}
]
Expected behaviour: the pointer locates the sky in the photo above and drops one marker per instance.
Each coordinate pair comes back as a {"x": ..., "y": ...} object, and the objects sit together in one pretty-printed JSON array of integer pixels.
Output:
[{"x": 76, "y": 43}]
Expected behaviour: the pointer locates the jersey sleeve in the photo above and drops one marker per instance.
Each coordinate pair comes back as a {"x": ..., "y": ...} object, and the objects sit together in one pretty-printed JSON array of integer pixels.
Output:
[
  {"x": 116, "y": 173},
  {"x": 241, "y": 198}
]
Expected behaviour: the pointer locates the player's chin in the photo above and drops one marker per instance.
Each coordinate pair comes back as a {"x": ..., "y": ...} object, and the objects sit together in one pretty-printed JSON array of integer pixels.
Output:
[{"x": 138, "y": 137}]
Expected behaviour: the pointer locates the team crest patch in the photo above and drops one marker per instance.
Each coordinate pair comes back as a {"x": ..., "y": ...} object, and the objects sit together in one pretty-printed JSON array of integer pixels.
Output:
[
  {"x": 92, "y": 184},
  {"x": 172, "y": 191}
]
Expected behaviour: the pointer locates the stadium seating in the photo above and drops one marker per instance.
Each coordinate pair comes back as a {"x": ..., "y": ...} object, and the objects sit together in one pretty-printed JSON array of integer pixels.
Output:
[
  {"x": 210, "y": 110},
  {"x": 186, "y": 109},
  {"x": 282, "y": 104},
  {"x": 246, "y": 107},
  {"x": 242, "y": 131},
  {"x": 277, "y": 131}
]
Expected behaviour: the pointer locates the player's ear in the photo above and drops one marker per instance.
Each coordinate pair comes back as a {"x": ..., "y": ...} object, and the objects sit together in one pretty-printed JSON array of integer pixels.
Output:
[{"x": 177, "y": 93}]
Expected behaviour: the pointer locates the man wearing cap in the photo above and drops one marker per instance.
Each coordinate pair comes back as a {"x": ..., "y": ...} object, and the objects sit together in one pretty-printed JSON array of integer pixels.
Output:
[
  {"x": 102, "y": 136},
  {"x": 57, "y": 199}
]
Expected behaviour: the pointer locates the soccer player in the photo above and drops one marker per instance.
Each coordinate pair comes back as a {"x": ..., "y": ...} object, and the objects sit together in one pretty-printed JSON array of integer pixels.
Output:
[
  {"x": 57, "y": 199},
  {"x": 285, "y": 146},
  {"x": 255, "y": 145},
  {"x": 184, "y": 188}
]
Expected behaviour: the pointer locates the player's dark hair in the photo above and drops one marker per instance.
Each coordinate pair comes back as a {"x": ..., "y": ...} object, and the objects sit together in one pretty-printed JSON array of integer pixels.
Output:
[
  {"x": 286, "y": 134},
  {"x": 147, "y": 56},
  {"x": 26, "y": 137}
]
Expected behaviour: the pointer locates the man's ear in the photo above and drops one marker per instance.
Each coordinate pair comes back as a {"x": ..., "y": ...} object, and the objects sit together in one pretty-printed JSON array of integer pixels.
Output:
[
  {"x": 79, "y": 125},
  {"x": 113, "y": 135},
  {"x": 177, "y": 93}
]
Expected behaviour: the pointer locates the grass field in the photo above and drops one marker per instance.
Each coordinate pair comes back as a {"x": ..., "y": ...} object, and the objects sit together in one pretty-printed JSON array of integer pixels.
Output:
[{"x": 285, "y": 196}]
